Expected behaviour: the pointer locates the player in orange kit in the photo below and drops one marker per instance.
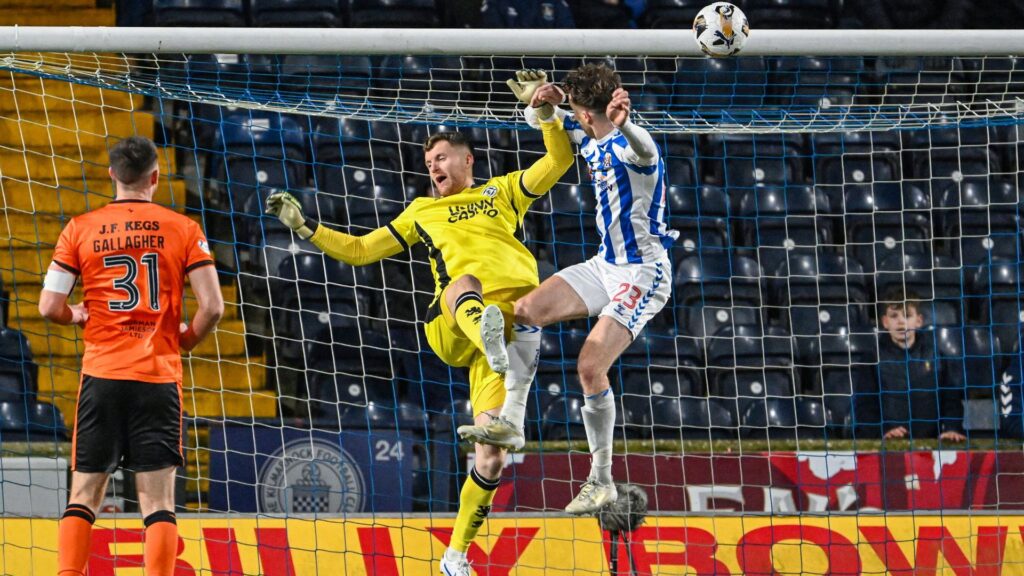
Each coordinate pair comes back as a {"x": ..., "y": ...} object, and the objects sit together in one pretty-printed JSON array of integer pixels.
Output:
[{"x": 132, "y": 257}]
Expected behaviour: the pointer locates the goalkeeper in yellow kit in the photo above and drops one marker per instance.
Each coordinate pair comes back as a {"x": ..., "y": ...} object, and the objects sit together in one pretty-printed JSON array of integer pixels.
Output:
[{"x": 480, "y": 269}]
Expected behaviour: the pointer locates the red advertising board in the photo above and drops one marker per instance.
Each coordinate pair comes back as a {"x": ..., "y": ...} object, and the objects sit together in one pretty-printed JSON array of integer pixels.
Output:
[{"x": 784, "y": 482}]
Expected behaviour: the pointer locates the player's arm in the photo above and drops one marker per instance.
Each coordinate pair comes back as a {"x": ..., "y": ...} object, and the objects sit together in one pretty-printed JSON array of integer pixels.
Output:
[
  {"x": 544, "y": 173},
  {"x": 354, "y": 250},
  {"x": 206, "y": 289},
  {"x": 53, "y": 298},
  {"x": 642, "y": 150}
]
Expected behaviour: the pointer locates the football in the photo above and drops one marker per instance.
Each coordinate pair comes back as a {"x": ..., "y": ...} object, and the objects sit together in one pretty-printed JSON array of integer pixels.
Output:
[{"x": 721, "y": 29}]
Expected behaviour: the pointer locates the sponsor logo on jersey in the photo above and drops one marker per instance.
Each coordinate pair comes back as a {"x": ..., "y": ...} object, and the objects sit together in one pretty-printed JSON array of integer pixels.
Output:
[
  {"x": 204, "y": 246},
  {"x": 311, "y": 476},
  {"x": 490, "y": 191},
  {"x": 467, "y": 211}
]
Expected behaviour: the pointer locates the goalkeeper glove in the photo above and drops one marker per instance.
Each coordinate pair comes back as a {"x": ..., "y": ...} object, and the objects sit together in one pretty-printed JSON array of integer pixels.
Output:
[
  {"x": 525, "y": 84},
  {"x": 289, "y": 212}
]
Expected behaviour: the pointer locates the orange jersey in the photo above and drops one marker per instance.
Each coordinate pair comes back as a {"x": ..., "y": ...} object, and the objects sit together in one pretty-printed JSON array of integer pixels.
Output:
[{"x": 132, "y": 257}]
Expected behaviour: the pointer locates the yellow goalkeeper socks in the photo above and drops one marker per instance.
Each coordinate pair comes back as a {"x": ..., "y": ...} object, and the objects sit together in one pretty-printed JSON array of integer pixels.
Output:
[
  {"x": 474, "y": 506},
  {"x": 468, "y": 309}
]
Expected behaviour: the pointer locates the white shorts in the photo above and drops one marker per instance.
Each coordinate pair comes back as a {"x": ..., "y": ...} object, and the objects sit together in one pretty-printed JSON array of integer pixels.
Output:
[{"x": 630, "y": 293}]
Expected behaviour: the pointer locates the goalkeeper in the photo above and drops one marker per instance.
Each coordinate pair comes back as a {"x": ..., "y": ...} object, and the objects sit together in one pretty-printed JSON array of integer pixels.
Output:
[{"x": 480, "y": 269}]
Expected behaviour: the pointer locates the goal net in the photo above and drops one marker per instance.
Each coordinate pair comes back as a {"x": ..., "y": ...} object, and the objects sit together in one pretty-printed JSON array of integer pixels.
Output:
[{"x": 846, "y": 291}]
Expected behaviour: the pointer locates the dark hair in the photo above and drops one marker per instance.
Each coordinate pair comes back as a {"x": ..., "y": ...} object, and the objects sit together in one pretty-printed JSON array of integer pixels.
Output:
[
  {"x": 591, "y": 86},
  {"x": 894, "y": 298},
  {"x": 132, "y": 159},
  {"x": 453, "y": 138}
]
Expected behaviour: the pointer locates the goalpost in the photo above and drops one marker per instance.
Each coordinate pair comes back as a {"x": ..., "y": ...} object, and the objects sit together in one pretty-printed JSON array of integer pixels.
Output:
[{"x": 811, "y": 178}]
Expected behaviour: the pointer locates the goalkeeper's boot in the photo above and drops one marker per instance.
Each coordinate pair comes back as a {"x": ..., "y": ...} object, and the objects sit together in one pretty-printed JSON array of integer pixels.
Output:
[
  {"x": 498, "y": 432},
  {"x": 492, "y": 333},
  {"x": 592, "y": 498},
  {"x": 454, "y": 567}
]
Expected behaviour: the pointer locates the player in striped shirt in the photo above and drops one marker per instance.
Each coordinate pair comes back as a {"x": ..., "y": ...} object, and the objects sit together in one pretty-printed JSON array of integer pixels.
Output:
[{"x": 630, "y": 278}]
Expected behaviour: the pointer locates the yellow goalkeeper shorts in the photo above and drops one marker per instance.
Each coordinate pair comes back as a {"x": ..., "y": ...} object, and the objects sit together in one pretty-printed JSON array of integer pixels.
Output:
[{"x": 486, "y": 388}]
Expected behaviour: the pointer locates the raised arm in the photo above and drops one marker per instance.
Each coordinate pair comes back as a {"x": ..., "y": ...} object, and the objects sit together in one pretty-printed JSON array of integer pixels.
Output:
[
  {"x": 641, "y": 145},
  {"x": 354, "y": 250},
  {"x": 544, "y": 173}
]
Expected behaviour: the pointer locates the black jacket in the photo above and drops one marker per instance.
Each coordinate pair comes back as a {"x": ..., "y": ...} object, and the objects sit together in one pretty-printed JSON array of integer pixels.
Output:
[{"x": 912, "y": 389}]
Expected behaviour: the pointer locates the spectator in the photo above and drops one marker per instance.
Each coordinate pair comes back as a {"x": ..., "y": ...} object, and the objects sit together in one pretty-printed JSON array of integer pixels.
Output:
[
  {"x": 913, "y": 396},
  {"x": 525, "y": 14}
]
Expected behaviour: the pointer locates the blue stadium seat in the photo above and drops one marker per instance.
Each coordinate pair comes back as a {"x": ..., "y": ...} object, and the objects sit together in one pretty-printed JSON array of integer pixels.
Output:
[
  {"x": 936, "y": 280},
  {"x": 687, "y": 417},
  {"x": 672, "y": 14},
  {"x": 340, "y": 374},
  {"x": 29, "y": 420},
  {"x": 700, "y": 215},
  {"x": 379, "y": 415},
  {"x": 973, "y": 358},
  {"x": 812, "y": 418},
  {"x": 893, "y": 219},
  {"x": 717, "y": 277},
  {"x": 810, "y": 82},
  {"x": 818, "y": 276},
  {"x": 573, "y": 226},
  {"x": 811, "y": 320},
  {"x": 394, "y": 14},
  {"x": 776, "y": 219},
  {"x": 996, "y": 300},
  {"x": 703, "y": 321},
  {"x": 417, "y": 80},
  {"x": 19, "y": 374},
  {"x": 979, "y": 221},
  {"x": 346, "y": 77},
  {"x": 833, "y": 363},
  {"x": 257, "y": 149},
  {"x": 713, "y": 84},
  {"x": 741, "y": 160},
  {"x": 954, "y": 153},
  {"x": 769, "y": 418},
  {"x": 221, "y": 13},
  {"x": 371, "y": 207},
  {"x": 916, "y": 80},
  {"x": 772, "y": 14},
  {"x": 859, "y": 158},
  {"x": 350, "y": 153},
  {"x": 299, "y": 13},
  {"x": 563, "y": 419}
]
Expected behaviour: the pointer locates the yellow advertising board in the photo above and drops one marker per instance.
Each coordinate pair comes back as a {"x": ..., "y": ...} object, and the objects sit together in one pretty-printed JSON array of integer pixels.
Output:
[{"x": 955, "y": 545}]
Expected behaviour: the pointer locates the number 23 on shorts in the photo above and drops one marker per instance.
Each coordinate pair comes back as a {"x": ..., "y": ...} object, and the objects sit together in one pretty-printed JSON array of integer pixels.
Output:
[{"x": 627, "y": 300}]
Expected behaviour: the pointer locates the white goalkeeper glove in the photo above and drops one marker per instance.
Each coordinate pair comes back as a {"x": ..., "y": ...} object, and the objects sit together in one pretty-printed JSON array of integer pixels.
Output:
[
  {"x": 525, "y": 84},
  {"x": 289, "y": 212}
]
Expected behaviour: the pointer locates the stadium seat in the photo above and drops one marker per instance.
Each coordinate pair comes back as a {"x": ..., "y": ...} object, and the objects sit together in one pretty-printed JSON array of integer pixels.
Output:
[
  {"x": 854, "y": 158},
  {"x": 818, "y": 276},
  {"x": 298, "y": 13},
  {"x": 254, "y": 150},
  {"x": 893, "y": 219},
  {"x": 29, "y": 420},
  {"x": 935, "y": 280},
  {"x": 394, "y": 14},
  {"x": 776, "y": 219},
  {"x": 917, "y": 80},
  {"x": 741, "y": 160},
  {"x": 382, "y": 416},
  {"x": 973, "y": 357},
  {"x": 703, "y": 321},
  {"x": 810, "y": 82},
  {"x": 687, "y": 417},
  {"x": 417, "y": 80},
  {"x": 672, "y": 14},
  {"x": 13, "y": 420},
  {"x": 979, "y": 221},
  {"x": 573, "y": 226},
  {"x": 996, "y": 301},
  {"x": 712, "y": 84},
  {"x": 346, "y": 78},
  {"x": 700, "y": 215},
  {"x": 772, "y": 14},
  {"x": 812, "y": 418},
  {"x": 769, "y": 418},
  {"x": 952, "y": 154},
  {"x": 19, "y": 374},
  {"x": 350, "y": 372},
  {"x": 833, "y": 362},
  {"x": 717, "y": 277},
  {"x": 220, "y": 13},
  {"x": 350, "y": 153},
  {"x": 563, "y": 419}
]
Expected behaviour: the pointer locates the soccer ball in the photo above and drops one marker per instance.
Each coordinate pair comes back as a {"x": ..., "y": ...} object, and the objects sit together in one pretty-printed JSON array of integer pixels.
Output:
[{"x": 721, "y": 29}]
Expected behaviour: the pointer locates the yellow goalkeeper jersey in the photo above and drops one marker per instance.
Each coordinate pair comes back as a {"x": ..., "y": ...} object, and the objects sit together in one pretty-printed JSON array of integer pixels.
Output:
[{"x": 473, "y": 232}]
